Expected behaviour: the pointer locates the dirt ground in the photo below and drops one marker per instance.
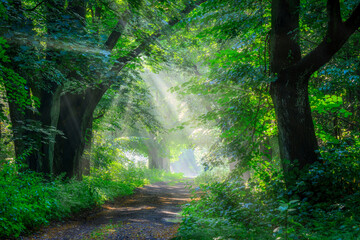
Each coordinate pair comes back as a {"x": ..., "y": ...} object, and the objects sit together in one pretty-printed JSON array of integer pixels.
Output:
[{"x": 152, "y": 212}]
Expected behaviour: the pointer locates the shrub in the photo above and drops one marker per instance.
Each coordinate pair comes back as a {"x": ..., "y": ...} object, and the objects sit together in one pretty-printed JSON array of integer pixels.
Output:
[
  {"x": 322, "y": 203},
  {"x": 29, "y": 200}
]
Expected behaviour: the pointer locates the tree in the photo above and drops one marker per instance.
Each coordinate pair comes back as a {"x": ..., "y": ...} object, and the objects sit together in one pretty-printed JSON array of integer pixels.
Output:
[
  {"x": 234, "y": 42},
  {"x": 297, "y": 140},
  {"x": 76, "y": 126},
  {"x": 71, "y": 112}
]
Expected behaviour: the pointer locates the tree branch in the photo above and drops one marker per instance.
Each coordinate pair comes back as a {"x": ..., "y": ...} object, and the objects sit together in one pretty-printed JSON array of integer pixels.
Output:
[
  {"x": 337, "y": 35},
  {"x": 334, "y": 16},
  {"x": 117, "y": 32},
  {"x": 37, "y": 5},
  {"x": 122, "y": 61},
  {"x": 100, "y": 115}
]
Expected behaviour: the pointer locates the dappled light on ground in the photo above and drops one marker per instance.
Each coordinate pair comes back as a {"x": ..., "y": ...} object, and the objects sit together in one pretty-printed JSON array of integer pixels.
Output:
[{"x": 151, "y": 213}]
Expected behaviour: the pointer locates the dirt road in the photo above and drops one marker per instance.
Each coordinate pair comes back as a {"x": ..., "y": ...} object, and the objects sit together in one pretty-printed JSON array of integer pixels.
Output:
[{"x": 150, "y": 213}]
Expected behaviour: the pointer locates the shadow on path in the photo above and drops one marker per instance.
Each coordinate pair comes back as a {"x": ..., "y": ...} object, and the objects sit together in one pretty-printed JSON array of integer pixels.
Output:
[{"x": 152, "y": 212}]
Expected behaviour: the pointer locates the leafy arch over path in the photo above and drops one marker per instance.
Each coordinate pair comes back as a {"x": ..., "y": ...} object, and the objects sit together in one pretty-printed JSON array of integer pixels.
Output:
[{"x": 72, "y": 112}]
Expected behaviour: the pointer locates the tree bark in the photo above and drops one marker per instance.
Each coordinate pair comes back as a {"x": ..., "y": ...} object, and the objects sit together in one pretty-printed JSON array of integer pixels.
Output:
[
  {"x": 86, "y": 156},
  {"x": 154, "y": 159},
  {"x": 49, "y": 116},
  {"x": 17, "y": 94},
  {"x": 75, "y": 121},
  {"x": 297, "y": 140}
]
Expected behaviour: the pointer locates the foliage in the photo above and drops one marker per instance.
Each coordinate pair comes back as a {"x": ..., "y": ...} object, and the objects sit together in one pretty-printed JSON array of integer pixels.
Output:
[
  {"x": 215, "y": 174},
  {"x": 46, "y": 48},
  {"x": 226, "y": 210},
  {"x": 323, "y": 203},
  {"x": 158, "y": 175},
  {"x": 29, "y": 200},
  {"x": 26, "y": 202},
  {"x": 226, "y": 43}
]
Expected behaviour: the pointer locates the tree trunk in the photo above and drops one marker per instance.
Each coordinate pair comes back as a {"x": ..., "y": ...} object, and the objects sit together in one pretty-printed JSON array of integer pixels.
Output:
[
  {"x": 75, "y": 121},
  {"x": 297, "y": 141},
  {"x": 15, "y": 92},
  {"x": 49, "y": 116},
  {"x": 155, "y": 161},
  {"x": 86, "y": 157}
]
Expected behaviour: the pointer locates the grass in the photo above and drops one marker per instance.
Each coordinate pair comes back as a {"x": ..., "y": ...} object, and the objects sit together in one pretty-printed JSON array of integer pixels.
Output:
[
  {"x": 29, "y": 200},
  {"x": 227, "y": 208},
  {"x": 104, "y": 232}
]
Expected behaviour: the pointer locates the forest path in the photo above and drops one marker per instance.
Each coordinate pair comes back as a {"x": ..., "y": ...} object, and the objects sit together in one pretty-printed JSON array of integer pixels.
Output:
[{"x": 152, "y": 212}]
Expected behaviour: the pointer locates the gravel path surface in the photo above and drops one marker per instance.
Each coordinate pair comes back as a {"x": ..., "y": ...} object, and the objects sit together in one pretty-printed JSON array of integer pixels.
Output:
[{"x": 150, "y": 213}]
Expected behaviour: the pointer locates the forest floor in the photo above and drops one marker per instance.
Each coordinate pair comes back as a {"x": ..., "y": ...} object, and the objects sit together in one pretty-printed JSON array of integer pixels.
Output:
[{"x": 152, "y": 212}]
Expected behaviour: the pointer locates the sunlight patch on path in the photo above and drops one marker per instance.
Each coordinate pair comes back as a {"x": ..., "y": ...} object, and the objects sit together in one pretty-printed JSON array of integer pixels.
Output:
[
  {"x": 133, "y": 230},
  {"x": 151, "y": 213}
]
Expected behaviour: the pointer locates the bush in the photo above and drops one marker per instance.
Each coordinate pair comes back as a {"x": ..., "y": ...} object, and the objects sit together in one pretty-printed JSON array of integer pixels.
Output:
[
  {"x": 28, "y": 200},
  {"x": 226, "y": 210},
  {"x": 323, "y": 203}
]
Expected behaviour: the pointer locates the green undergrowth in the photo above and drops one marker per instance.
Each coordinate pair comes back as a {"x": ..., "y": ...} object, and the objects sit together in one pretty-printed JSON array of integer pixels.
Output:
[
  {"x": 216, "y": 174},
  {"x": 29, "y": 200},
  {"x": 322, "y": 203},
  {"x": 104, "y": 232},
  {"x": 156, "y": 175}
]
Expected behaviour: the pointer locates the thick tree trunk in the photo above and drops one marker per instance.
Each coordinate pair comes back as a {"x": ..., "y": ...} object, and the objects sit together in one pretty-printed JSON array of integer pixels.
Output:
[
  {"x": 16, "y": 119},
  {"x": 297, "y": 141},
  {"x": 49, "y": 116},
  {"x": 15, "y": 92},
  {"x": 86, "y": 157},
  {"x": 157, "y": 159},
  {"x": 75, "y": 121},
  {"x": 157, "y": 162}
]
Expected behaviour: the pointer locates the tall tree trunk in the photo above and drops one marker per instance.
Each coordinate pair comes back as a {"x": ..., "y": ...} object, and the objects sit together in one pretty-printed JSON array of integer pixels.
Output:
[
  {"x": 154, "y": 159},
  {"x": 153, "y": 152},
  {"x": 49, "y": 96},
  {"x": 75, "y": 121},
  {"x": 297, "y": 140},
  {"x": 18, "y": 93},
  {"x": 49, "y": 116},
  {"x": 86, "y": 157}
]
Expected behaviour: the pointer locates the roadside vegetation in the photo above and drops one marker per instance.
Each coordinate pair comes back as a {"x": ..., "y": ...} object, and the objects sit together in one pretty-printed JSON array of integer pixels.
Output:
[
  {"x": 98, "y": 97},
  {"x": 323, "y": 203},
  {"x": 30, "y": 200}
]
